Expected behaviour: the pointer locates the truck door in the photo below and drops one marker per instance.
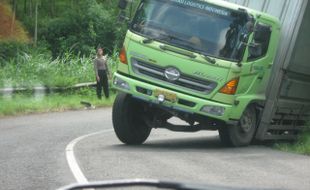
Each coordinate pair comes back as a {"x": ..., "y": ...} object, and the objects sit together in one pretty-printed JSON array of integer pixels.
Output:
[{"x": 260, "y": 56}]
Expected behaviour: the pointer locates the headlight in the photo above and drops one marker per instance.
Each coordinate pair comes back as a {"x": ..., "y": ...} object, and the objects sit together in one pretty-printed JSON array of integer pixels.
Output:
[
  {"x": 214, "y": 110},
  {"x": 121, "y": 83}
]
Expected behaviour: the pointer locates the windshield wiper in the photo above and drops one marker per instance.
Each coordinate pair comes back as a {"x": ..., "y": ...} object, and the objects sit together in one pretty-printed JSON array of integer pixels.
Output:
[
  {"x": 208, "y": 58},
  {"x": 182, "y": 52},
  {"x": 185, "y": 44},
  {"x": 148, "y": 40},
  {"x": 162, "y": 37},
  {"x": 151, "y": 39}
]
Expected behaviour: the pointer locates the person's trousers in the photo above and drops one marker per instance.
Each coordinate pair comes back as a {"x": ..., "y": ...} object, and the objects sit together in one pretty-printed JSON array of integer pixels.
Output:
[{"x": 102, "y": 83}]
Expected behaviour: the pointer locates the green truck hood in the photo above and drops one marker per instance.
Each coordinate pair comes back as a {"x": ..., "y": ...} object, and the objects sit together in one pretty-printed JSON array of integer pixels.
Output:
[{"x": 198, "y": 77}]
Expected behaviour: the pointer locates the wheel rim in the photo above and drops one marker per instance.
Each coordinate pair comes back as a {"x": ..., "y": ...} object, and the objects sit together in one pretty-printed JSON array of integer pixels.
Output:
[{"x": 246, "y": 122}]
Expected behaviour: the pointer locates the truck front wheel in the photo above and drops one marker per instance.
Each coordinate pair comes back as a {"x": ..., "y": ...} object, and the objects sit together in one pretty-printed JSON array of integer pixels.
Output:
[
  {"x": 243, "y": 133},
  {"x": 128, "y": 122}
]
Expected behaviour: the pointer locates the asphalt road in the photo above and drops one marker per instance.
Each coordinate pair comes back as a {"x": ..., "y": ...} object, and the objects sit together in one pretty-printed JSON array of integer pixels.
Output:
[{"x": 33, "y": 156}]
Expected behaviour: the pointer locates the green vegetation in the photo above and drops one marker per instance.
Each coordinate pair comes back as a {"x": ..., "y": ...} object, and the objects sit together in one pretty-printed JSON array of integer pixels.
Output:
[
  {"x": 302, "y": 146},
  {"x": 37, "y": 69},
  {"x": 81, "y": 33},
  {"x": 61, "y": 26},
  {"x": 11, "y": 29},
  {"x": 26, "y": 103},
  {"x": 65, "y": 37},
  {"x": 62, "y": 42}
]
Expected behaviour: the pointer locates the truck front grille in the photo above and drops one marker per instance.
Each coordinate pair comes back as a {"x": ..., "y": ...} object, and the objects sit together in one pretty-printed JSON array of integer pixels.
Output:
[{"x": 185, "y": 81}]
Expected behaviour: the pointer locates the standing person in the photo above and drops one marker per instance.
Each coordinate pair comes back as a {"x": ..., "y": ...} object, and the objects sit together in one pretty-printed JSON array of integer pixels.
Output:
[{"x": 102, "y": 72}]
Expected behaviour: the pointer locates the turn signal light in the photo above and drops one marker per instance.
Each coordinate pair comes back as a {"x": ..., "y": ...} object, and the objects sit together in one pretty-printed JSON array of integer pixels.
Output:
[
  {"x": 122, "y": 56},
  {"x": 230, "y": 88}
]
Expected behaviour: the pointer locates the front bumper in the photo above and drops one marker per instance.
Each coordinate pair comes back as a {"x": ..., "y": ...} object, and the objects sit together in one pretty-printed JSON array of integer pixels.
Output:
[{"x": 185, "y": 103}]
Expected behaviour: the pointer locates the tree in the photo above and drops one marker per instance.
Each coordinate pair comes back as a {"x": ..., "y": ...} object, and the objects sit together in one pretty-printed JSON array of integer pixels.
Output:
[
  {"x": 36, "y": 24},
  {"x": 25, "y": 7},
  {"x": 30, "y": 8},
  {"x": 52, "y": 8},
  {"x": 14, "y": 7}
]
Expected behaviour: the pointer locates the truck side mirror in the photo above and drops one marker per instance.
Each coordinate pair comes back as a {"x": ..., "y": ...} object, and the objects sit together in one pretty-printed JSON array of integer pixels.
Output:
[
  {"x": 262, "y": 32},
  {"x": 259, "y": 47},
  {"x": 122, "y": 4}
]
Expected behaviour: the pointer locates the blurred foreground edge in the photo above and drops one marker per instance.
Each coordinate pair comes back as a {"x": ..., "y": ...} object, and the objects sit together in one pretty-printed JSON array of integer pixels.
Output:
[{"x": 149, "y": 183}]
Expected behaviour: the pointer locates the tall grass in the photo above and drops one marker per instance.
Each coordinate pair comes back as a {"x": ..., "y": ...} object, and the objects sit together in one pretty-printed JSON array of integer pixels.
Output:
[
  {"x": 36, "y": 69},
  {"x": 302, "y": 146}
]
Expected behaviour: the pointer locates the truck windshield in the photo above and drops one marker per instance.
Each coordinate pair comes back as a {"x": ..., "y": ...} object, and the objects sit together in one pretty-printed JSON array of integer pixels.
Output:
[{"x": 193, "y": 25}]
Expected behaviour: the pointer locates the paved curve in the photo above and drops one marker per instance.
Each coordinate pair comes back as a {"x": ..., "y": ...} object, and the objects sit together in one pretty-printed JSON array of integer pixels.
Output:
[{"x": 32, "y": 156}]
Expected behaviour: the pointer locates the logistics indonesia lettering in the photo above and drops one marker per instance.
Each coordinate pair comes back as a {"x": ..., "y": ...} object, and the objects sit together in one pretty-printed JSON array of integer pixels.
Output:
[{"x": 202, "y": 7}]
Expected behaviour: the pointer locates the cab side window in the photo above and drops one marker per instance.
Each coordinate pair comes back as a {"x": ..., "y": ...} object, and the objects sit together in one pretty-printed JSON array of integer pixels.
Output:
[{"x": 260, "y": 44}]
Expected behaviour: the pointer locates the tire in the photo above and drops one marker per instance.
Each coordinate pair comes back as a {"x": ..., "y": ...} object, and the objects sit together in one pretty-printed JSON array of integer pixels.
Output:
[
  {"x": 128, "y": 124},
  {"x": 243, "y": 133}
]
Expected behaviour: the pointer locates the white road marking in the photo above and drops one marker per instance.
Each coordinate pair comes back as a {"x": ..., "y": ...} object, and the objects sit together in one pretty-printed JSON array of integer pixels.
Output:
[{"x": 72, "y": 162}]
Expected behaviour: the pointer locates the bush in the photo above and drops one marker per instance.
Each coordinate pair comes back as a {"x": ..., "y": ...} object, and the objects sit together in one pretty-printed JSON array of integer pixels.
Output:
[{"x": 10, "y": 50}]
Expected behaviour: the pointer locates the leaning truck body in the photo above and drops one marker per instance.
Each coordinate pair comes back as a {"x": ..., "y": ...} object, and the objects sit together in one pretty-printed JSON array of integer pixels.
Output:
[{"x": 208, "y": 63}]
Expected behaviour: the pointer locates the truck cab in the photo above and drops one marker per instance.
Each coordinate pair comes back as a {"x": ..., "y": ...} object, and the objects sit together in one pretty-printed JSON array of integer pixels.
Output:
[{"x": 205, "y": 62}]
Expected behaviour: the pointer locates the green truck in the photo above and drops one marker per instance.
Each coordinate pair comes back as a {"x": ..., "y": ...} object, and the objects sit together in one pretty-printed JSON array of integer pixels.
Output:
[{"x": 210, "y": 64}]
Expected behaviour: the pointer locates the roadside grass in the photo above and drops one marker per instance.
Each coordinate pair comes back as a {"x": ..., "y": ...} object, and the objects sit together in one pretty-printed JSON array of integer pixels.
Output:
[
  {"x": 39, "y": 69},
  {"x": 19, "y": 104},
  {"x": 302, "y": 146},
  {"x": 31, "y": 70}
]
